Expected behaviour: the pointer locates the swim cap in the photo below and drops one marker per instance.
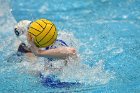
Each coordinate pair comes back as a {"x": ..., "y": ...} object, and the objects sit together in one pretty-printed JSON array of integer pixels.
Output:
[
  {"x": 21, "y": 30},
  {"x": 22, "y": 27}
]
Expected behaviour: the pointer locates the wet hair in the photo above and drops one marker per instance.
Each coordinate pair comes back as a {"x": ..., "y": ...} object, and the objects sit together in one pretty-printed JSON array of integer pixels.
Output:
[{"x": 23, "y": 49}]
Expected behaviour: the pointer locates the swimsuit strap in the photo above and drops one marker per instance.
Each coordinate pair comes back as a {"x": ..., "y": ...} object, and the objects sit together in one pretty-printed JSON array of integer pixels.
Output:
[
  {"x": 58, "y": 40},
  {"x": 62, "y": 42}
]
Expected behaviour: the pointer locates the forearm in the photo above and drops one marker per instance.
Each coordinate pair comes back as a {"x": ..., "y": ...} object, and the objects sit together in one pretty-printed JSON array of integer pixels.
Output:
[{"x": 62, "y": 52}]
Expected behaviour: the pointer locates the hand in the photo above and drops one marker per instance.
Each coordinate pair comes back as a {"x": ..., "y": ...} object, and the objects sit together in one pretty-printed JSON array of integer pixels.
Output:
[
  {"x": 72, "y": 51},
  {"x": 68, "y": 50}
]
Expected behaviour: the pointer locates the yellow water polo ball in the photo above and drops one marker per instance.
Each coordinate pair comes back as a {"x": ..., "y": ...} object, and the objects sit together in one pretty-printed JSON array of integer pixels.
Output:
[{"x": 44, "y": 32}]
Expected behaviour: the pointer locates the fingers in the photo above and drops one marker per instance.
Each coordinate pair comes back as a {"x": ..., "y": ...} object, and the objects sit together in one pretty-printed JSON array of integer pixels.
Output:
[{"x": 73, "y": 51}]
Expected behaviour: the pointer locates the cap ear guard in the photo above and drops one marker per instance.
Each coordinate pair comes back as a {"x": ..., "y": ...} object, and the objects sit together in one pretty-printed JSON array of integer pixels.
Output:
[
  {"x": 17, "y": 32},
  {"x": 22, "y": 27}
]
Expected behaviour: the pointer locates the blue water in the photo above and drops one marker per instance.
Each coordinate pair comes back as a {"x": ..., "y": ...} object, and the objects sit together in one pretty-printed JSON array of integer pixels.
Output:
[{"x": 108, "y": 34}]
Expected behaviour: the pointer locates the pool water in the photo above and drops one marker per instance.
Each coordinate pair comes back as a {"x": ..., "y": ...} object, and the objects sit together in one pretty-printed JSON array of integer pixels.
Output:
[{"x": 106, "y": 34}]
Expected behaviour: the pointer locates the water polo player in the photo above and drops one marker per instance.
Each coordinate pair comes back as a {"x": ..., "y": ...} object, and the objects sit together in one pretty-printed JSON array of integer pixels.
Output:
[{"x": 40, "y": 38}]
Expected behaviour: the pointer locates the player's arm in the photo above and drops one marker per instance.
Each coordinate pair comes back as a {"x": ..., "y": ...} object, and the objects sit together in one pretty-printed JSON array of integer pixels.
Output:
[{"x": 62, "y": 52}]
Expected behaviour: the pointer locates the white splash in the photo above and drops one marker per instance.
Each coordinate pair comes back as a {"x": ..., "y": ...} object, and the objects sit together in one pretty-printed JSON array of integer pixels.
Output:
[{"x": 84, "y": 74}]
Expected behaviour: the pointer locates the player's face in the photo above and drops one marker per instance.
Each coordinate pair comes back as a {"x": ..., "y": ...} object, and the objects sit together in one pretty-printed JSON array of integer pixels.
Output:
[{"x": 29, "y": 38}]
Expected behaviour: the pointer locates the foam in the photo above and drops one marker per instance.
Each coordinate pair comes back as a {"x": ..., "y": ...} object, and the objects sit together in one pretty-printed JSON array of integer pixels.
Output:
[{"x": 87, "y": 75}]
